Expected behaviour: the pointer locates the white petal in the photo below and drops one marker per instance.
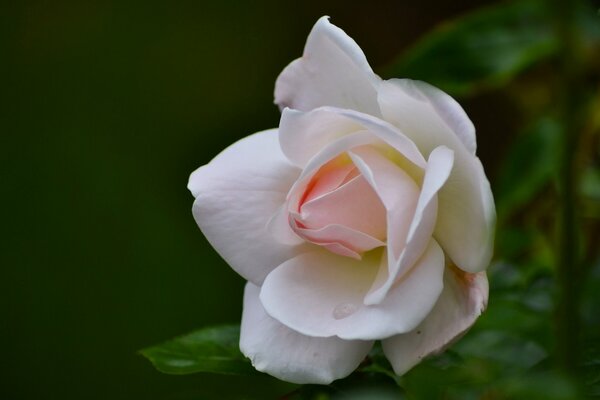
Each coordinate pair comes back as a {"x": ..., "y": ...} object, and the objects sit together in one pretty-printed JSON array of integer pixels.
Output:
[
  {"x": 464, "y": 298},
  {"x": 421, "y": 227},
  {"x": 290, "y": 356},
  {"x": 280, "y": 229},
  {"x": 425, "y": 113},
  {"x": 237, "y": 194},
  {"x": 466, "y": 212},
  {"x": 321, "y": 294},
  {"x": 467, "y": 216},
  {"x": 396, "y": 189},
  {"x": 439, "y": 167},
  {"x": 304, "y": 134},
  {"x": 333, "y": 71}
]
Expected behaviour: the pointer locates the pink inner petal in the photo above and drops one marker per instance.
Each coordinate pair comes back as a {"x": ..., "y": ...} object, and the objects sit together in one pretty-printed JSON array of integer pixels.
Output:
[
  {"x": 396, "y": 189},
  {"x": 349, "y": 237},
  {"x": 339, "y": 210},
  {"x": 354, "y": 204},
  {"x": 336, "y": 238},
  {"x": 329, "y": 181}
]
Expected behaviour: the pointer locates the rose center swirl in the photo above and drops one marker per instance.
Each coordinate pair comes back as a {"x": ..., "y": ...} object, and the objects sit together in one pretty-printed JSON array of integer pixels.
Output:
[{"x": 340, "y": 211}]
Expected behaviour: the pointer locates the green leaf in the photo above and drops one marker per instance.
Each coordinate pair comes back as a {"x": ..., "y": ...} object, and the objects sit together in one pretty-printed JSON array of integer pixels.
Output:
[
  {"x": 213, "y": 349},
  {"x": 482, "y": 49}
]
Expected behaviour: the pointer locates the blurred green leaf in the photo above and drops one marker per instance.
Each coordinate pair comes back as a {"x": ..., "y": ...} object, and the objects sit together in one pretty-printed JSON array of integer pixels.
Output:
[
  {"x": 503, "y": 349},
  {"x": 487, "y": 48},
  {"x": 591, "y": 302},
  {"x": 482, "y": 49},
  {"x": 590, "y": 192},
  {"x": 549, "y": 385},
  {"x": 369, "y": 393},
  {"x": 591, "y": 368},
  {"x": 428, "y": 381},
  {"x": 360, "y": 385},
  {"x": 213, "y": 349},
  {"x": 510, "y": 313},
  {"x": 590, "y": 183},
  {"x": 529, "y": 166}
]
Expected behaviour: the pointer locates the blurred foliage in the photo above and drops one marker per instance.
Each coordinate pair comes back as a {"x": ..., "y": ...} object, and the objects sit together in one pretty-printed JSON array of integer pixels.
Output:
[
  {"x": 484, "y": 49},
  {"x": 529, "y": 167},
  {"x": 489, "y": 47}
]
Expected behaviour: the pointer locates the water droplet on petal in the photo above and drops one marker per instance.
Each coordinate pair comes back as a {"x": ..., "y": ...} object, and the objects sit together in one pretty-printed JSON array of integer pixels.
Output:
[{"x": 344, "y": 310}]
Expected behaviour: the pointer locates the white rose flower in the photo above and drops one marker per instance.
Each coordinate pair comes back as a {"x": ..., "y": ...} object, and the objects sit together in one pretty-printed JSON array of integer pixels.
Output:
[{"x": 365, "y": 216}]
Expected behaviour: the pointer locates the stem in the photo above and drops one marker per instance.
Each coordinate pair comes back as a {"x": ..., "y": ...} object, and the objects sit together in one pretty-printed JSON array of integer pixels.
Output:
[{"x": 569, "y": 266}]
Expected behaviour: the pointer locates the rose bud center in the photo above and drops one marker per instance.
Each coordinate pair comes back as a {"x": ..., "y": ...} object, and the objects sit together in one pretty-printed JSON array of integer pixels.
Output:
[{"x": 340, "y": 211}]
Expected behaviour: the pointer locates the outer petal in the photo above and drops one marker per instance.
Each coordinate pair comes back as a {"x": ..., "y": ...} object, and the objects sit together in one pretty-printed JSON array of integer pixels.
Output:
[
  {"x": 467, "y": 216},
  {"x": 288, "y": 355},
  {"x": 321, "y": 294},
  {"x": 417, "y": 232},
  {"x": 237, "y": 193},
  {"x": 304, "y": 134},
  {"x": 466, "y": 213},
  {"x": 464, "y": 298},
  {"x": 333, "y": 71},
  {"x": 427, "y": 109}
]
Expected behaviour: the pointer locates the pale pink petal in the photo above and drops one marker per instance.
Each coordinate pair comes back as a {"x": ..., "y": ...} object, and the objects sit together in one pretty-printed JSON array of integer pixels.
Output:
[
  {"x": 462, "y": 301},
  {"x": 422, "y": 225},
  {"x": 466, "y": 212},
  {"x": 329, "y": 181},
  {"x": 333, "y": 71},
  {"x": 354, "y": 204},
  {"x": 352, "y": 239},
  {"x": 290, "y": 356},
  {"x": 304, "y": 134},
  {"x": 326, "y": 155},
  {"x": 321, "y": 294},
  {"x": 342, "y": 250},
  {"x": 396, "y": 189},
  {"x": 237, "y": 193}
]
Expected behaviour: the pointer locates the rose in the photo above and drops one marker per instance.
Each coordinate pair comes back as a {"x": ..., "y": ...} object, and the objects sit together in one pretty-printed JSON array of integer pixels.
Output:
[{"x": 366, "y": 216}]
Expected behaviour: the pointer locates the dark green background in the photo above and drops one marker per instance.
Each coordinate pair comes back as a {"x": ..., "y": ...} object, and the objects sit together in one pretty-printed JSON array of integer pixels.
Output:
[{"x": 105, "y": 109}]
